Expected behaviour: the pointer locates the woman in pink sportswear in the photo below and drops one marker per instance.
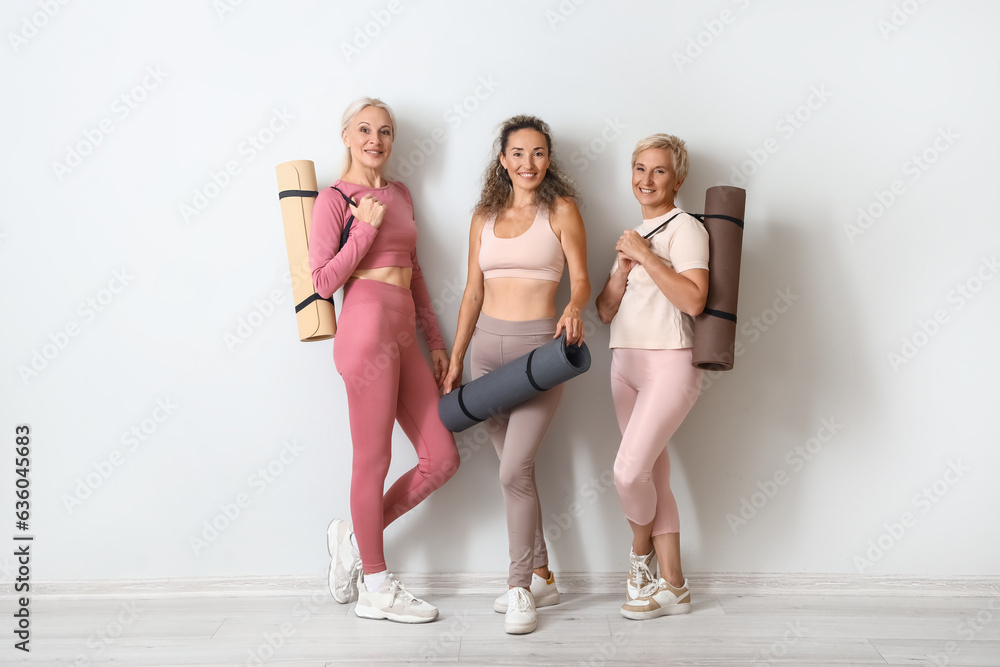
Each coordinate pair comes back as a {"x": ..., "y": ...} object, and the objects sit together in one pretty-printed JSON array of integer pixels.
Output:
[
  {"x": 376, "y": 352},
  {"x": 659, "y": 281}
]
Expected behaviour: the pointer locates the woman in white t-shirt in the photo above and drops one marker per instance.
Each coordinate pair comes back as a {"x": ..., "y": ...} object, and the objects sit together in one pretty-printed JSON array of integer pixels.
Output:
[{"x": 659, "y": 281}]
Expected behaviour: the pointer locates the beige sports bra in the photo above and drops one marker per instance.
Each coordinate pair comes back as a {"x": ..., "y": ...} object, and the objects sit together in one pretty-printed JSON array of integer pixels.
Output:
[{"x": 536, "y": 253}]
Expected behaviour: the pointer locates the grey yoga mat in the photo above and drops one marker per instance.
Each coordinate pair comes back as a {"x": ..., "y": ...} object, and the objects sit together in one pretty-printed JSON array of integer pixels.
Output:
[{"x": 513, "y": 383}]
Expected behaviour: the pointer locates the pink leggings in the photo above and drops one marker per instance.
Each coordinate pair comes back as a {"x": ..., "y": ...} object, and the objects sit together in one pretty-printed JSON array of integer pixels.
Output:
[
  {"x": 653, "y": 391},
  {"x": 516, "y": 436},
  {"x": 387, "y": 379}
]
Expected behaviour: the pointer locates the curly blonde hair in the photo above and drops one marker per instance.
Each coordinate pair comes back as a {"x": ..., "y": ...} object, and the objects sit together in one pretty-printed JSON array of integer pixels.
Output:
[{"x": 498, "y": 189}]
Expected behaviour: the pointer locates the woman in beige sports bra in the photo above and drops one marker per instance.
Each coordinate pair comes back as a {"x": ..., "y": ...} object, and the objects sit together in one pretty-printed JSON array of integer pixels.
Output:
[{"x": 525, "y": 229}]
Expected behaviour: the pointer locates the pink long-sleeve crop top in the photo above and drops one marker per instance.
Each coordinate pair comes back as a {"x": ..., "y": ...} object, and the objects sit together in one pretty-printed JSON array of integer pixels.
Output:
[{"x": 394, "y": 243}]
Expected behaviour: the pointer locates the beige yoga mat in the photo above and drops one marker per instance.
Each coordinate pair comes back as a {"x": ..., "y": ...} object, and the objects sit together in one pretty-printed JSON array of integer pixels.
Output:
[
  {"x": 297, "y": 192},
  {"x": 715, "y": 328}
]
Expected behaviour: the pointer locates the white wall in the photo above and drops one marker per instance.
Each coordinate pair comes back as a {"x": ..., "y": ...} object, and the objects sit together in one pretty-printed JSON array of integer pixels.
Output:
[{"x": 879, "y": 99}]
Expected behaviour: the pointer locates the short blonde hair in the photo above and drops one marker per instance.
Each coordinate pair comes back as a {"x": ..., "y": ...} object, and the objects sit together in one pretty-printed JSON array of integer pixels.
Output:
[
  {"x": 356, "y": 107},
  {"x": 669, "y": 142}
]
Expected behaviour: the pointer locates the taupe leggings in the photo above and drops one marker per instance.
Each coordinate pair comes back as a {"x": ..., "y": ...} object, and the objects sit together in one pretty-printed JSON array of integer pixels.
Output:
[{"x": 517, "y": 436}]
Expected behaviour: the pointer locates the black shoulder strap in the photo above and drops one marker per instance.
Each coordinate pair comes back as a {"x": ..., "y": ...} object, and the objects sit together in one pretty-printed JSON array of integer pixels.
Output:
[
  {"x": 663, "y": 225},
  {"x": 347, "y": 227}
]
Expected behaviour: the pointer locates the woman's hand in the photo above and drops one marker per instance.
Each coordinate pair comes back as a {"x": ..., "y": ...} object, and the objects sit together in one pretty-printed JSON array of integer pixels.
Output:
[
  {"x": 369, "y": 210},
  {"x": 625, "y": 265},
  {"x": 453, "y": 378},
  {"x": 571, "y": 322},
  {"x": 439, "y": 361},
  {"x": 634, "y": 247}
]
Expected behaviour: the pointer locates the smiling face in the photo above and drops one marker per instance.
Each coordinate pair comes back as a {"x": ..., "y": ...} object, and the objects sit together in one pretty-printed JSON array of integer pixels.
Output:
[
  {"x": 526, "y": 158},
  {"x": 369, "y": 138},
  {"x": 654, "y": 182}
]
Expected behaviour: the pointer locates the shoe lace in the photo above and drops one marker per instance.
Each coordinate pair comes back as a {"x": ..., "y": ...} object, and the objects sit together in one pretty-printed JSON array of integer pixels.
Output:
[
  {"x": 640, "y": 572},
  {"x": 649, "y": 589},
  {"x": 400, "y": 593},
  {"x": 521, "y": 601}
]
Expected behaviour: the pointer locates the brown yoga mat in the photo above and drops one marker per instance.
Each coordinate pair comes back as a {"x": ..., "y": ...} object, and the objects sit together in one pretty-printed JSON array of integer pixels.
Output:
[
  {"x": 715, "y": 328},
  {"x": 297, "y": 192}
]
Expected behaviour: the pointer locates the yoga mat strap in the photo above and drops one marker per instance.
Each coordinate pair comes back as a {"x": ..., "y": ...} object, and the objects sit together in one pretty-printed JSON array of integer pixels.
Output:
[
  {"x": 297, "y": 193},
  {"x": 347, "y": 227},
  {"x": 703, "y": 216},
  {"x": 527, "y": 371},
  {"x": 461, "y": 404},
  {"x": 720, "y": 313},
  {"x": 309, "y": 299},
  {"x": 663, "y": 225}
]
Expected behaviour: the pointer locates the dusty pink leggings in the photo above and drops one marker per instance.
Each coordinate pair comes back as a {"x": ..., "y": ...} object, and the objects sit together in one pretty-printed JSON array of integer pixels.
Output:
[
  {"x": 516, "y": 436},
  {"x": 388, "y": 379},
  {"x": 653, "y": 391}
]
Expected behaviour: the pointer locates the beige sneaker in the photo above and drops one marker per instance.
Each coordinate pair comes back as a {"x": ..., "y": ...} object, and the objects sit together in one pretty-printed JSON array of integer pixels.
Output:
[
  {"x": 395, "y": 603},
  {"x": 641, "y": 572},
  {"x": 345, "y": 563},
  {"x": 521, "y": 616},
  {"x": 658, "y": 599},
  {"x": 544, "y": 591}
]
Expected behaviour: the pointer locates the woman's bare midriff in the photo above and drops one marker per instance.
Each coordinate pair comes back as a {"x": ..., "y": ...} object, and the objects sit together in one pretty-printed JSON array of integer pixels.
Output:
[
  {"x": 519, "y": 299},
  {"x": 394, "y": 275}
]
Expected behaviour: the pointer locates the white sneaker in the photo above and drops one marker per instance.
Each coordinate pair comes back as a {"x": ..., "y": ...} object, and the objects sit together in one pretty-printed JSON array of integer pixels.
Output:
[
  {"x": 544, "y": 592},
  {"x": 641, "y": 572},
  {"x": 658, "y": 599},
  {"x": 345, "y": 568},
  {"x": 395, "y": 603},
  {"x": 521, "y": 616}
]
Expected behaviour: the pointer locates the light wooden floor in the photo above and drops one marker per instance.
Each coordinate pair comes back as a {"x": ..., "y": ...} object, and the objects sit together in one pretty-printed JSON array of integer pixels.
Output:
[{"x": 306, "y": 628}]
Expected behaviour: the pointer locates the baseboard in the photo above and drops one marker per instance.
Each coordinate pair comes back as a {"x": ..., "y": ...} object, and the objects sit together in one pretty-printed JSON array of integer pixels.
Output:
[{"x": 569, "y": 582}]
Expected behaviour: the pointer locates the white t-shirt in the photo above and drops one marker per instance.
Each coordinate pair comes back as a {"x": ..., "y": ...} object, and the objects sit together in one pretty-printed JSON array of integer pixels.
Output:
[{"x": 646, "y": 319}]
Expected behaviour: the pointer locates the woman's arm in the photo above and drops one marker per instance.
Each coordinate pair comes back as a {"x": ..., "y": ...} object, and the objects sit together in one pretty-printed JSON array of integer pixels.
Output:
[
  {"x": 610, "y": 298},
  {"x": 472, "y": 304},
  {"x": 687, "y": 290},
  {"x": 332, "y": 265},
  {"x": 568, "y": 226}
]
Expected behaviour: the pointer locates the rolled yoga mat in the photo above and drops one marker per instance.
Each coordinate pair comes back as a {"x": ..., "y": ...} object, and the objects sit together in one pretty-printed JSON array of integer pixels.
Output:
[
  {"x": 316, "y": 317},
  {"x": 715, "y": 328},
  {"x": 513, "y": 383}
]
